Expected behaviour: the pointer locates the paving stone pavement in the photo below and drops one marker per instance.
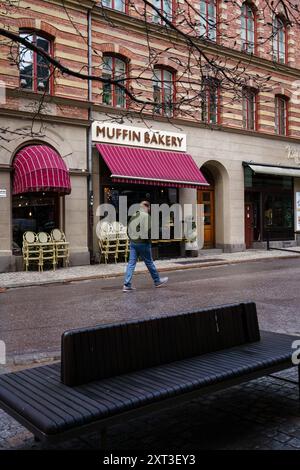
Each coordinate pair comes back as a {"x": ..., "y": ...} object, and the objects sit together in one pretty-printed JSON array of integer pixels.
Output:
[
  {"x": 205, "y": 259},
  {"x": 261, "y": 414}
]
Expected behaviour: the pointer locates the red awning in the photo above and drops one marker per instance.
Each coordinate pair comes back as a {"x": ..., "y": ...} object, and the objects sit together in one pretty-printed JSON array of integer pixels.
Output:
[
  {"x": 155, "y": 167},
  {"x": 40, "y": 168}
]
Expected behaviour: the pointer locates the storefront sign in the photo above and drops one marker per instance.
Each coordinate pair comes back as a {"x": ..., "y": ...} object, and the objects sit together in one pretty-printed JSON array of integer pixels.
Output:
[
  {"x": 138, "y": 136},
  {"x": 3, "y": 193},
  {"x": 293, "y": 154},
  {"x": 298, "y": 212}
]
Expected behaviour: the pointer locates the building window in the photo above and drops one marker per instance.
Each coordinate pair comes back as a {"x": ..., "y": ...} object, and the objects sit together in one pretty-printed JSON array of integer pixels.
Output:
[
  {"x": 279, "y": 40},
  {"x": 249, "y": 109},
  {"x": 281, "y": 115},
  {"x": 210, "y": 101},
  {"x": 35, "y": 70},
  {"x": 119, "y": 5},
  {"x": 248, "y": 28},
  {"x": 208, "y": 19},
  {"x": 163, "y": 91},
  {"x": 166, "y": 9},
  {"x": 114, "y": 69}
]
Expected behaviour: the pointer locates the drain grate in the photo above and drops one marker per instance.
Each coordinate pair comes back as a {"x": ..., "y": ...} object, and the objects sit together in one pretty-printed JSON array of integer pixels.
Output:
[{"x": 208, "y": 260}]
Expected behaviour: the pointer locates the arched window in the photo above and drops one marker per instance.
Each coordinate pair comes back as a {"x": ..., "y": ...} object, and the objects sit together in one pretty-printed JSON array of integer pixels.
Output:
[
  {"x": 114, "y": 69},
  {"x": 119, "y": 5},
  {"x": 248, "y": 28},
  {"x": 210, "y": 106},
  {"x": 35, "y": 70},
  {"x": 208, "y": 19},
  {"x": 166, "y": 9},
  {"x": 163, "y": 91},
  {"x": 279, "y": 40},
  {"x": 281, "y": 114}
]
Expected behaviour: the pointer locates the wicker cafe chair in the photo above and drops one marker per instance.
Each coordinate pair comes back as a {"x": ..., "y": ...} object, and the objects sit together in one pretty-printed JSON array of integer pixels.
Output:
[
  {"x": 108, "y": 242},
  {"x": 47, "y": 249},
  {"x": 62, "y": 247},
  {"x": 31, "y": 251},
  {"x": 123, "y": 242}
]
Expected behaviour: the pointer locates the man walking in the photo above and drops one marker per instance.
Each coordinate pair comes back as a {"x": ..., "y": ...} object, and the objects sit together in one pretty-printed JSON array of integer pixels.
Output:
[{"x": 139, "y": 230}]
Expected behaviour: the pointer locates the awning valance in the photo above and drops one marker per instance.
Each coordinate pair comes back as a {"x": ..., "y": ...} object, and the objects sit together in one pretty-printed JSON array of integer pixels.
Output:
[
  {"x": 40, "y": 168},
  {"x": 274, "y": 170},
  {"x": 154, "y": 167}
]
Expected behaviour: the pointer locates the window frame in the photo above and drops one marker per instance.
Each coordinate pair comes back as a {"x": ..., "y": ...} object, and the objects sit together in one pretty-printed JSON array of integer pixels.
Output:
[
  {"x": 248, "y": 93},
  {"x": 125, "y": 61},
  {"x": 209, "y": 85},
  {"x": 277, "y": 42},
  {"x": 112, "y": 7},
  {"x": 279, "y": 119},
  {"x": 173, "y": 11},
  {"x": 206, "y": 25},
  {"x": 38, "y": 34},
  {"x": 162, "y": 81},
  {"x": 246, "y": 6}
]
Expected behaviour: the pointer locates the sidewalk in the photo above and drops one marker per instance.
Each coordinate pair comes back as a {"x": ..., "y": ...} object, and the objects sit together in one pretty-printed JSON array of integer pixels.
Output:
[{"x": 98, "y": 271}]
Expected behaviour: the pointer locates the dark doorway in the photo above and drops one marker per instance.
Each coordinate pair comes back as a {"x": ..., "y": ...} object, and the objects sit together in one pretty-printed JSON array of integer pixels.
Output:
[
  {"x": 36, "y": 212},
  {"x": 272, "y": 200}
]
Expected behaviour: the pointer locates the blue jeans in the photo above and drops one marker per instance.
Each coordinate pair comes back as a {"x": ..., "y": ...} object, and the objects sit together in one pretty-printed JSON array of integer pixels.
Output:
[{"x": 142, "y": 250}]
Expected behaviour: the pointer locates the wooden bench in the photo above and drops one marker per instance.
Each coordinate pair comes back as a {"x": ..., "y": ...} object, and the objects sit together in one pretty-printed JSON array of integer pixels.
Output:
[{"x": 110, "y": 373}]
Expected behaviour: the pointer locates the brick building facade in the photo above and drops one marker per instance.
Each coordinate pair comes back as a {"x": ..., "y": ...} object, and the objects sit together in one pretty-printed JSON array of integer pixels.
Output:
[{"x": 243, "y": 204}]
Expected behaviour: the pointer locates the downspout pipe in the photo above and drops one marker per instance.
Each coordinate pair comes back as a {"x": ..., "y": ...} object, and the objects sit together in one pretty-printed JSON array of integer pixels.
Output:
[{"x": 89, "y": 139}]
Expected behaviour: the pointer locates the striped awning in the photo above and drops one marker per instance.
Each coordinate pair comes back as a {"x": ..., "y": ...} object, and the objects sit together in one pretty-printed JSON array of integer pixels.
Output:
[
  {"x": 40, "y": 168},
  {"x": 154, "y": 167}
]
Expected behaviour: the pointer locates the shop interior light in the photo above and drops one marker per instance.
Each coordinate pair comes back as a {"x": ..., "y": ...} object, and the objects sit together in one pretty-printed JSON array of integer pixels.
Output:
[{"x": 41, "y": 86}]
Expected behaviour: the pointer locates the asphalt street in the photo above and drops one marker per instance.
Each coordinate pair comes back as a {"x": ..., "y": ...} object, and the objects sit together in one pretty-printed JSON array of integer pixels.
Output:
[
  {"x": 262, "y": 414},
  {"x": 32, "y": 319}
]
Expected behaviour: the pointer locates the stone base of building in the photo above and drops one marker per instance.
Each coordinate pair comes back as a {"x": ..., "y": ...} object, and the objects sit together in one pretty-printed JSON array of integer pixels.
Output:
[
  {"x": 8, "y": 263},
  {"x": 276, "y": 244},
  {"x": 80, "y": 259},
  {"x": 232, "y": 248}
]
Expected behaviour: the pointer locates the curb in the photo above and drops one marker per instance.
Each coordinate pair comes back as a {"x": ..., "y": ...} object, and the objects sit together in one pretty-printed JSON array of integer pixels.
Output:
[{"x": 143, "y": 271}]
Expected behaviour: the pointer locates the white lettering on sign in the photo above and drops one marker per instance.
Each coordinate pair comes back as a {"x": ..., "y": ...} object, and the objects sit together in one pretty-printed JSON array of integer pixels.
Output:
[
  {"x": 137, "y": 136},
  {"x": 293, "y": 154},
  {"x": 3, "y": 193}
]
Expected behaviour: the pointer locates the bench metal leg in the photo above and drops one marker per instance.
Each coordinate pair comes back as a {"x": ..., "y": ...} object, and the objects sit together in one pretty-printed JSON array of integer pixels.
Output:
[
  {"x": 103, "y": 438},
  {"x": 299, "y": 380}
]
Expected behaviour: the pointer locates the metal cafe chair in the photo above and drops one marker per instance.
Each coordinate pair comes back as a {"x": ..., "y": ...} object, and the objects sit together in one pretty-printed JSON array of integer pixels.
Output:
[
  {"x": 31, "y": 250},
  {"x": 108, "y": 242},
  {"x": 47, "y": 249},
  {"x": 123, "y": 243},
  {"x": 62, "y": 247}
]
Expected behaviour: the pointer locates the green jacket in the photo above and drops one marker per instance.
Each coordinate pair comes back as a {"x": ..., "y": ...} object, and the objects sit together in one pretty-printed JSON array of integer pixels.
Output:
[{"x": 139, "y": 227}]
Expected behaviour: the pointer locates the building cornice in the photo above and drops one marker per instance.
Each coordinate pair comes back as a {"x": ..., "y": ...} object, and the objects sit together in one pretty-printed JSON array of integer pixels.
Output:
[
  {"x": 79, "y": 5},
  {"x": 177, "y": 122},
  {"x": 25, "y": 115},
  {"x": 161, "y": 32},
  {"x": 54, "y": 99}
]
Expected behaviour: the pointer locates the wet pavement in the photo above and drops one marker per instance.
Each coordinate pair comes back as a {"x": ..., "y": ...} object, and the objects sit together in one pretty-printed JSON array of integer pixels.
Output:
[
  {"x": 263, "y": 414},
  {"x": 32, "y": 319}
]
